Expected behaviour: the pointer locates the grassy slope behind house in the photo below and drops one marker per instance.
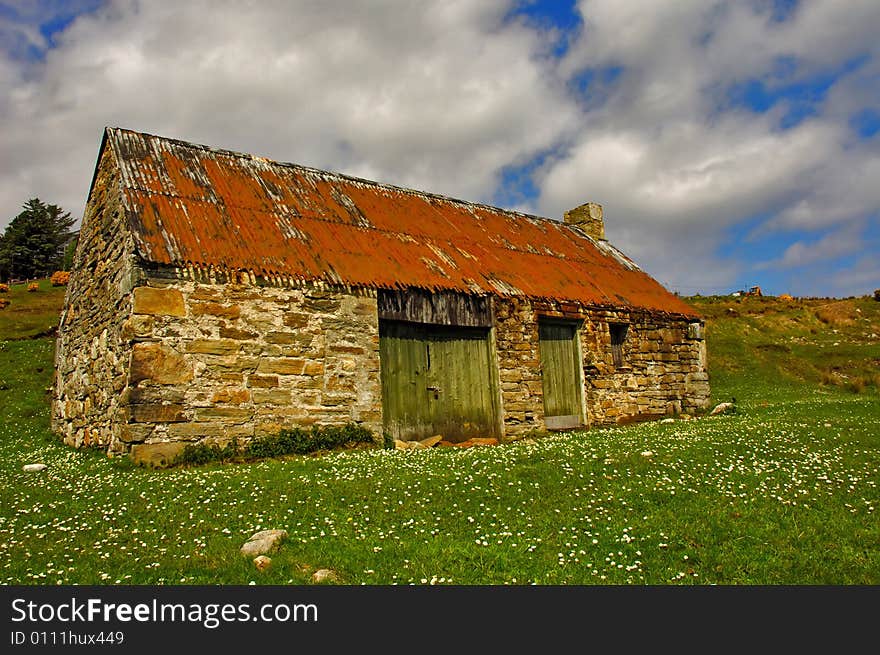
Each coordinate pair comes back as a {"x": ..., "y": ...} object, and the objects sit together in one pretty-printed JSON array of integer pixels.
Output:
[
  {"x": 824, "y": 343},
  {"x": 31, "y": 313},
  {"x": 783, "y": 491}
]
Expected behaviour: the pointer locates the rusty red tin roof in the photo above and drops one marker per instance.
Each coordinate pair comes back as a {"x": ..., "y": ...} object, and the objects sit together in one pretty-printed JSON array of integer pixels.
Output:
[{"x": 194, "y": 205}]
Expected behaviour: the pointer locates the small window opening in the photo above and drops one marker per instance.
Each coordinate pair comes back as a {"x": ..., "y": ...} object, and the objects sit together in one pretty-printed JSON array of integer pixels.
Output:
[
  {"x": 618, "y": 336},
  {"x": 695, "y": 331}
]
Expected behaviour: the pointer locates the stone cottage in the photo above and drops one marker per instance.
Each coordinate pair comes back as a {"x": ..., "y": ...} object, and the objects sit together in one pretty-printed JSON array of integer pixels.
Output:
[{"x": 216, "y": 294}]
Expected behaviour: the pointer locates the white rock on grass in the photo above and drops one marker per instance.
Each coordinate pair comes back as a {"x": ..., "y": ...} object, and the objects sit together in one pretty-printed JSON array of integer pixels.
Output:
[
  {"x": 722, "y": 408},
  {"x": 263, "y": 542},
  {"x": 324, "y": 575},
  {"x": 34, "y": 468},
  {"x": 668, "y": 420}
]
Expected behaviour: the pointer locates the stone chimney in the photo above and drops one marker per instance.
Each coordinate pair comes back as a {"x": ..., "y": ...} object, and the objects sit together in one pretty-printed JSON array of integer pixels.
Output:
[{"x": 588, "y": 217}]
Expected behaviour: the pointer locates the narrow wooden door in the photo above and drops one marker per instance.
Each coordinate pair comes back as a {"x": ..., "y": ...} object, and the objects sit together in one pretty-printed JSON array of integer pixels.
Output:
[
  {"x": 436, "y": 380},
  {"x": 460, "y": 388},
  {"x": 404, "y": 371},
  {"x": 560, "y": 370}
]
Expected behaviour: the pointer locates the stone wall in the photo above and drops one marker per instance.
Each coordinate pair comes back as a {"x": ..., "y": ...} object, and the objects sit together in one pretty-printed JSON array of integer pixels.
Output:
[
  {"x": 213, "y": 361},
  {"x": 91, "y": 358},
  {"x": 663, "y": 369},
  {"x": 519, "y": 366}
]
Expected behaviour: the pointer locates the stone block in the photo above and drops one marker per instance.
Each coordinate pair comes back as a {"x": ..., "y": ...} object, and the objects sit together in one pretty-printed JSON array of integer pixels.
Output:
[
  {"x": 213, "y": 346},
  {"x": 195, "y": 431},
  {"x": 350, "y": 350},
  {"x": 262, "y": 381},
  {"x": 323, "y": 305},
  {"x": 296, "y": 319},
  {"x": 142, "y": 413},
  {"x": 158, "y": 302},
  {"x": 231, "y": 312},
  {"x": 366, "y": 307},
  {"x": 156, "y": 455},
  {"x": 134, "y": 433},
  {"x": 340, "y": 382},
  {"x": 307, "y": 397},
  {"x": 137, "y": 326},
  {"x": 235, "y": 333},
  {"x": 282, "y": 337},
  {"x": 208, "y": 433},
  {"x": 206, "y": 293},
  {"x": 157, "y": 395},
  {"x": 283, "y": 366},
  {"x": 158, "y": 363},
  {"x": 272, "y": 396},
  {"x": 284, "y": 415},
  {"x": 231, "y": 396},
  {"x": 230, "y": 414}
]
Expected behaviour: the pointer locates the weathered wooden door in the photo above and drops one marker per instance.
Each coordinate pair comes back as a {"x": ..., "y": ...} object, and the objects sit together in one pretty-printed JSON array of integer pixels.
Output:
[
  {"x": 437, "y": 380},
  {"x": 560, "y": 370}
]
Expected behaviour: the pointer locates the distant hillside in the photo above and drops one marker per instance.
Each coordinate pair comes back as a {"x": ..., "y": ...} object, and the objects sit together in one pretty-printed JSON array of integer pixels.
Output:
[{"x": 758, "y": 342}]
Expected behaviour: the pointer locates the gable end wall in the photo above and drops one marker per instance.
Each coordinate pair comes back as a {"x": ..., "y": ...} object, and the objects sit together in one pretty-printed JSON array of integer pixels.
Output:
[{"x": 91, "y": 357}]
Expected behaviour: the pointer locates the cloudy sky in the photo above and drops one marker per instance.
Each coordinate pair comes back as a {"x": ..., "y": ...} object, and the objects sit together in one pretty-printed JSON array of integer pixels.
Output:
[{"x": 731, "y": 143}]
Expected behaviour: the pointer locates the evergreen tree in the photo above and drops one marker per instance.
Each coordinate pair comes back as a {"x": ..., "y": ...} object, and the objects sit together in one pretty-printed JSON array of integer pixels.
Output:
[{"x": 33, "y": 244}]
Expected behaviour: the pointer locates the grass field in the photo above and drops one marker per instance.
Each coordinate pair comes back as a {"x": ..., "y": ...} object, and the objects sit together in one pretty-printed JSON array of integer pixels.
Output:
[
  {"x": 785, "y": 491},
  {"x": 31, "y": 314}
]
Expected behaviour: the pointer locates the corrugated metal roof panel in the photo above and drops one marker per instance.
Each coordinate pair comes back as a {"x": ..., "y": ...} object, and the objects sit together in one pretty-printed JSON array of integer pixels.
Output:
[{"x": 194, "y": 205}]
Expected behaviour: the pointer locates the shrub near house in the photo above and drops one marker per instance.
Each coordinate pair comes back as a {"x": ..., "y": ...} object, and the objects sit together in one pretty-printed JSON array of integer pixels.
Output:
[{"x": 60, "y": 278}]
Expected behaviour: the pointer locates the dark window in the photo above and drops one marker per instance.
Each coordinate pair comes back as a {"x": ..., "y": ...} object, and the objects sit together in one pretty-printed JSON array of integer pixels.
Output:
[{"x": 618, "y": 336}]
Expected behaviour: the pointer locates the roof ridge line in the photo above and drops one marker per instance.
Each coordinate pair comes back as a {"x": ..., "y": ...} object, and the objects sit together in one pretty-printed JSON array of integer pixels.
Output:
[{"x": 338, "y": 175}]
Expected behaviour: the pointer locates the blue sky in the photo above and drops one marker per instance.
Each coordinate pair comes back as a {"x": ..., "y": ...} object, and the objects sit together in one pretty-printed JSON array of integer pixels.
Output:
[{"x": 730, "y": 143}]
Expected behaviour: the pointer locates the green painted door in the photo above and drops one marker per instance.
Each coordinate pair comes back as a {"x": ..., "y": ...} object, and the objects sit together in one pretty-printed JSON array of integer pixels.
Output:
[
  {"x": 437, "y": 380},
  {"x": 560, "y": 370}
]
